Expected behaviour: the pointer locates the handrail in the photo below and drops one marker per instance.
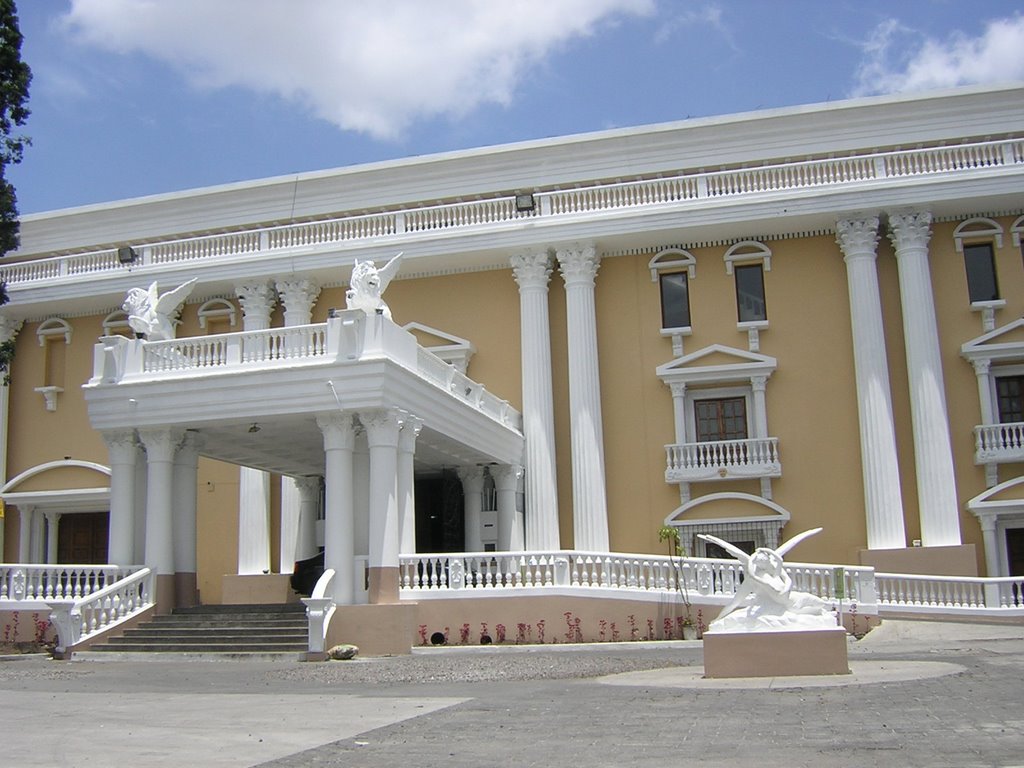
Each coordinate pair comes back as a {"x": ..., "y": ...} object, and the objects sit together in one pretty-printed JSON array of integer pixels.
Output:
[
  {"x": 319, "y": 610},
  {"x": 42, "y": 582},
  {"x": 770, "y": 178},
  {"x": 86, "y": 617}
]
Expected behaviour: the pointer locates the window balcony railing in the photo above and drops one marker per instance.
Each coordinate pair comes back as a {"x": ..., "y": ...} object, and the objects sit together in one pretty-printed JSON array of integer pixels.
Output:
[
  {"x": 723, "y": 460},
  {"x": 999, "y": 443}
]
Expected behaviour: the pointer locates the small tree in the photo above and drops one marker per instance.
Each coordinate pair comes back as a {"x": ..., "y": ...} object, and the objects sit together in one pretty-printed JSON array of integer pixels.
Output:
[
  {"x": 676, "y": 553},
  {"x": 15, "y": 77}
]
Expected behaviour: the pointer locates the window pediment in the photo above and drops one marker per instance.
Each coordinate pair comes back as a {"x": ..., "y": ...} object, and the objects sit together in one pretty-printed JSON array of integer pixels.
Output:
[
  {"x": 715, "y": 364},
  {"x": 1005, "y": 343}
]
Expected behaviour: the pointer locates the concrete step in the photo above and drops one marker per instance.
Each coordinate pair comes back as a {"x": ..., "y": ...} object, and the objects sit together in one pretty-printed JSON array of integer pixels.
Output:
[{"x": 217, "y": 629}]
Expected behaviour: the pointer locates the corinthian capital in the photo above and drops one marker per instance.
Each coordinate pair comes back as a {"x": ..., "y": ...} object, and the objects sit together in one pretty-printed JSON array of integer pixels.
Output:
[
  {"x": 257, "y": 300},
  {"x": 578, "y": 264},
  {"x": 298, "y": 296},
  {"x": 910, "y": 230},
  {"x": 532, "y": 270},
  {"x": 858, "y": 237}
]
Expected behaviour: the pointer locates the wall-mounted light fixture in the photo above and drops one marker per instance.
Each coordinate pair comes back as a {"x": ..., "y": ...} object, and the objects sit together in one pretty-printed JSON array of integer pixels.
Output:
[
  {"x": 254, "y": 428},
  {"x": 525, "y": 202},
  {"x": 127, "y": 255}
]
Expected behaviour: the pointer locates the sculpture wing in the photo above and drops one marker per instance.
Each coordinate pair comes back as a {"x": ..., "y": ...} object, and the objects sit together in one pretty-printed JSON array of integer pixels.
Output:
[
  {"x": 389, "y": 270},
  {"x": 732, "y": 549},
  {"x": 169, "y": 302},
  {"x": 782, "y": 550}
]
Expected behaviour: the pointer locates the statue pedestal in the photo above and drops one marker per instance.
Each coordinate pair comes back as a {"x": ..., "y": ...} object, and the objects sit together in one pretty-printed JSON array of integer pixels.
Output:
[{"x": 776, "y": 654}]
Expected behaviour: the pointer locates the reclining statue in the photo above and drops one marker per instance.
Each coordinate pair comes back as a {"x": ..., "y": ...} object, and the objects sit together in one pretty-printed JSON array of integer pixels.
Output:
[
  {"x": 150, "y": 315},
  {"x": 368, "y": 285},
  {"x": 766, "y": 600}
]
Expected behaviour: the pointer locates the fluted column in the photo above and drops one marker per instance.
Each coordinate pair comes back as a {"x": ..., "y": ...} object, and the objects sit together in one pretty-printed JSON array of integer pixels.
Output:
[
  {"x": 186, "y": 473},
  {"x": 122, "y": 449},
  {"x": 472, "y": 478},
  {"x": 382, "y": 428},
  {"x": 8, "y": 330},
  {"x": 590, "y": 513},
  {"x": 339, "y": 528},
  {"x": 933, "y": 452},
  {"x": 883, "y": 502},
  {"x": 298, "y": 296},
  {"x": 411, "y": 427},
  {"x": 161, "y": 445},
  {"x": 532, "y": 272},
  {"x": 257, "y": 300},
  {"x": 26, "y": 515},
  {"x": 510, "y": 527},
  {"x": 309, "y": 502}
]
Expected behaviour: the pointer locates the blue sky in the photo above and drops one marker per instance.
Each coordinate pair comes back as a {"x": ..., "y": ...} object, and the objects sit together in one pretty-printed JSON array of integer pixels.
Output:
[{"x": 139, "y": 97}]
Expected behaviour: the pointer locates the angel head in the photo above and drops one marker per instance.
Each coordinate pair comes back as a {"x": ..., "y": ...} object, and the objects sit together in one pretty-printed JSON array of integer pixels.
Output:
[{"x": 136, "y": 301}]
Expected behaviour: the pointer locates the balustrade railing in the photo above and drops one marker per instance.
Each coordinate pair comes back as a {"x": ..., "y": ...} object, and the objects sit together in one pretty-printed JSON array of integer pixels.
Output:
[
  {"x": 756, "y": 457},
  {"x": 938, "y": 594},
  {"x": 57, "y": 582},
  {"x": 871, "y": 167},
  {"x": 475, "y": 573},
  {"x": 80, "y": 619},
  {"x": 999, "y": 442}
]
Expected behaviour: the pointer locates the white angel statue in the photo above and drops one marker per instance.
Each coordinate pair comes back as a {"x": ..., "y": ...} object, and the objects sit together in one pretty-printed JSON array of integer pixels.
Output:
[
  {"x": 368, "y": 285},
  {"x": 149, "y": 314},
  {"x": 766, "y": 600}
]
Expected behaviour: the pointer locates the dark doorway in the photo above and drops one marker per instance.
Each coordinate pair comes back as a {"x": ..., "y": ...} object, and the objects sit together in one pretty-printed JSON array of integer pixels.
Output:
[
  {"x": 440, "y": 515},
  {"x": 1015, "y": 551},
  {"x": 82, "y": 538}
]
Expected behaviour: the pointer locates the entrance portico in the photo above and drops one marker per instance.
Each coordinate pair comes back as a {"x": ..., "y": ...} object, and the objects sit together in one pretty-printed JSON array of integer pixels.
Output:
[{"x": 292, "y": 401}]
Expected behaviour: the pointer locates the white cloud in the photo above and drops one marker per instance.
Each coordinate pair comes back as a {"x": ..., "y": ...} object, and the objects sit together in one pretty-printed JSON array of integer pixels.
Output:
[
  {"x": 373, "y": 67},
  {"x": 896, "y": 59}
]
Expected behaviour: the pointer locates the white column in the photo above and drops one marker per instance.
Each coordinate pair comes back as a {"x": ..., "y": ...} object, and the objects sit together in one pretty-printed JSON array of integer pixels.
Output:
[
  {"x": 382, "y": 428},
  {"x": 757, "y": 386},
  {"x": 161, "y": 445},
  {"x": 982, "y": 369},
  {"x": 37, "y": 537},
  {"x": 122, "y": 449},
  {"x": 933, "y": 452},
  {"x": 679, "y": 410},
  {"x": 411, "y": 427},
  {"x": 510, "y": 528},
  {"x": 52, "y": 523},
  {"x": 590, "y": 512},
  {"x": 186, "y": 474},
  {"x": 309, "y": 503},
  {"x": 988, "y": 535},
  {"x": 298, "y": 296},
  {"x": 361, "y": 492},
  {"x": 257, "y": 300},
  {"x": 26, "y": 512},
  {"x": 883, "y": 502},
  {"x": 339, "y": 438},
  {"x": 472, "y": 478},
  {"x": 532, "y": 272},
  {"x": 141, "y": 493}
]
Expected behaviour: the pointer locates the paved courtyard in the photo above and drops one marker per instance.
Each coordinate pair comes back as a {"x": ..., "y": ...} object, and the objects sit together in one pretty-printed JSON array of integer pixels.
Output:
[{"x": 922, "y": 694}]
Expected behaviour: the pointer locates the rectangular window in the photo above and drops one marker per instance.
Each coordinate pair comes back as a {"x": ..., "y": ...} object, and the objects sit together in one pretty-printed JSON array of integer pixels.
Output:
[
  {"x": 981, "y": 272},
  {"x": 675, "y": 301},
  {"x": 721, "y": 419},
  {"x": 750, "y": 293},
  {"x": 1010, "y": 399}
]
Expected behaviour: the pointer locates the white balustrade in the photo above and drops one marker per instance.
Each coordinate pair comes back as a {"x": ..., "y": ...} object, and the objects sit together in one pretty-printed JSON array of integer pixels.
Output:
[
  {"x": 999, "y": 443},
  {"x": 721, "y": 459},
  {"x": 57, "y": 582},
  {"x": 872, "y": 167},
  {"x": 86, "y": 617}
]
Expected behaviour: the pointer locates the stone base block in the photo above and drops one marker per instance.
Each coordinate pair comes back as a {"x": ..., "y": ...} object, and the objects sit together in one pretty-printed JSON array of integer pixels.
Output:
[
  {"x": 378, "y": 630},
  {"x": 775, "y": 654},
  {"x": 257, "y": 589}
]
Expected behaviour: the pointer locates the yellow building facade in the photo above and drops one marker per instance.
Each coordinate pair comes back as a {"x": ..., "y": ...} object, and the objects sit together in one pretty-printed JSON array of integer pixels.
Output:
[{"x": 747, "y": 326}]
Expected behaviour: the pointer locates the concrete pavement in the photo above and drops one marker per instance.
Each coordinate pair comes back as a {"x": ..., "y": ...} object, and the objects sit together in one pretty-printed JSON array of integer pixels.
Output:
[{"x": 922, "y": 694}]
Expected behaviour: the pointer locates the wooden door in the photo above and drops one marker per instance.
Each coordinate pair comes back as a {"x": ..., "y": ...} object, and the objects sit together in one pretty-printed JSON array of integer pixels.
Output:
[{"x": 82, "y": 538}]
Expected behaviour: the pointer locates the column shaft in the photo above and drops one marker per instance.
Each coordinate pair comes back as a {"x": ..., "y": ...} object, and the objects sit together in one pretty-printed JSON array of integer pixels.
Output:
[
  {"x": 161, "y": 445},
  {"x": 883, "y": 502},
  {"x": 122, "y": 449},
  {"x": 590, "y": 512},
  {"x": 186, "y": 472},
  {"x": 510, "y": 529},
  {"x": 406, "y": 483},
  {"x": 472, "y": 489},
  {"x": 339, "y": 438},
  {"x": 382, "y": 427},
  {"x": 532, "y": 272},
  {"x": 933, "y": 452}
]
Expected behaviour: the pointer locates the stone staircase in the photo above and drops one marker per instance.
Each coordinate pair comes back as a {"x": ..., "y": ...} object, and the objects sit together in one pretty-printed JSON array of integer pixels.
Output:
[{"x": 221, "y": 629}]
